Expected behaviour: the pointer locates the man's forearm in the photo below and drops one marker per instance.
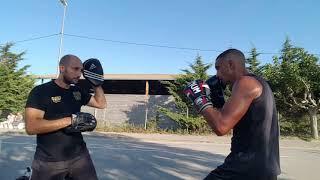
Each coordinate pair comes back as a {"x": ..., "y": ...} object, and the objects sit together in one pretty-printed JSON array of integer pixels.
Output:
[
  {"x": 41, "y": 126},
  {"x": 100, "y": 97},
  {"x": 213, "y": 118}
]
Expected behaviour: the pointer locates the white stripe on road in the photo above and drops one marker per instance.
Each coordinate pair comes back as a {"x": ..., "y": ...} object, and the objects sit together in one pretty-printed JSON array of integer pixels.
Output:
[
  {"x": 92, "y": 146},
  {"x": 99, "y": 146},
  {"x": 207, "y": 142},
  {"x": 18, "y": 143}
]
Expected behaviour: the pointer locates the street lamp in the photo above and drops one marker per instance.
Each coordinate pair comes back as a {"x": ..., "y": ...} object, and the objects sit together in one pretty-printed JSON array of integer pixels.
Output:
[{"x": 64, "y": 3}]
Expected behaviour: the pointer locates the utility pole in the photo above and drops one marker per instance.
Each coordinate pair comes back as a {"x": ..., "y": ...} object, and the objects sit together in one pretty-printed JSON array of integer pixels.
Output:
[{"x": 64, "y": 3}]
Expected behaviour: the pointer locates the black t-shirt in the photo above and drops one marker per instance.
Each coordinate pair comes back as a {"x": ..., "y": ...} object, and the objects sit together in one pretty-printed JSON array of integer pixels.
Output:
[
  {"x": 255, "y": 141},
  {"x": 57, "y": 103}
]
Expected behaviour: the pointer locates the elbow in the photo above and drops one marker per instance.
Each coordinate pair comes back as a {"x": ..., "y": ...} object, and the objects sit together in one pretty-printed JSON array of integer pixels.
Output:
[
  {"x": 30, "y": 131},
  {"x": 218, "y": 133},
  {"x": 221, "y": 131},
  {"x": 102, "y": 106}
]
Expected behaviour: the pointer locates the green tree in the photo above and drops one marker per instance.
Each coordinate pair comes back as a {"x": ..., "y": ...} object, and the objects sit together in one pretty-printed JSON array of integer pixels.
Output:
[
  {"x": 294, "y": 78},
  {"x": 253, "y": 63},
  {"x": 15, "y": 83},
  {"x": 184, "y": 114}
]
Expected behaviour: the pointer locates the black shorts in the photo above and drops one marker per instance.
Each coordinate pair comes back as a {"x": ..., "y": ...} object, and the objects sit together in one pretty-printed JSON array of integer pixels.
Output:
[
  {"x": 221, "y": 174},
  {"x": 240, "y": 166},
  {"x": 79, "y": 168}
]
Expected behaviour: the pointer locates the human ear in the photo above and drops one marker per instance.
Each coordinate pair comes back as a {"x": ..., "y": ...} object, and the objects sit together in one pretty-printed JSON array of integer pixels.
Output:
[
  {"x": 61, "y": 68},
  {"x": 231, "y": 65}
]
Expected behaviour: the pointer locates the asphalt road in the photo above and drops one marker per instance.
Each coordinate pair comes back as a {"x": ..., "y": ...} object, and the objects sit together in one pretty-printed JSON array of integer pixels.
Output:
[{"x": 155, "y": 156}]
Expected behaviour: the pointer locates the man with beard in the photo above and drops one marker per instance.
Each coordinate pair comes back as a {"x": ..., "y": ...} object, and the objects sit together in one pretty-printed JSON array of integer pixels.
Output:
[{"x": 48, "y": 113}]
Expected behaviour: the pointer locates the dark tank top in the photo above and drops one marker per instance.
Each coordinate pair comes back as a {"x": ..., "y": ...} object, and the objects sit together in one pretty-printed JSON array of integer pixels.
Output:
[{"x": 255, "y": 141}]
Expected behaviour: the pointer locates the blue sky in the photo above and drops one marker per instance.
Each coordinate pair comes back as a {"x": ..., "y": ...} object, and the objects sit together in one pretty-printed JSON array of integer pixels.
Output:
[{"x": 202, "y": 24}]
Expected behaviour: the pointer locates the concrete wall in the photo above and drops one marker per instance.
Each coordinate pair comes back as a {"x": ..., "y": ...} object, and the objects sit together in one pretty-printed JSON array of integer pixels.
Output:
[{"x": 124, "y": 108}]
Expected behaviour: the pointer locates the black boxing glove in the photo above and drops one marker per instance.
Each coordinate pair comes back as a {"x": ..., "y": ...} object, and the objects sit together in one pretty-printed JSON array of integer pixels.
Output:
[
  {"x": 198, "y": 93},
  {"x": 81, "y": 122},
  {"x": 93, "y": 72},
  {"x": 216, "y": 91}
]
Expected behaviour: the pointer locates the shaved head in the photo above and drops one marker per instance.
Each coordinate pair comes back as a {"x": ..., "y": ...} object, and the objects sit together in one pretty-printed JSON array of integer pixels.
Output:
[
  {"x": 232, "y": 55},
  {"x": 230, "y": 65},
  {"x": 70, "y": 67},
  {"x": 65, "y": 60}
]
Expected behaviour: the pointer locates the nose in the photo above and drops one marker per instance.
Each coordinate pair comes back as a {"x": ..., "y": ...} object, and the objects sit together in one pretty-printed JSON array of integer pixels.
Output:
[{"x": 78, "y": 73}]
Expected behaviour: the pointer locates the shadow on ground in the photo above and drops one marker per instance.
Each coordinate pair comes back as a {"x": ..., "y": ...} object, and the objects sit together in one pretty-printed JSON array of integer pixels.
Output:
[{"x": 117, "y": 157}]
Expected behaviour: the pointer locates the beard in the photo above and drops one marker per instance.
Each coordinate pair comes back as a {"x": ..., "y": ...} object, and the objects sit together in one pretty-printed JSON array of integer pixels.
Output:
[{"x": 68, "y": 81}]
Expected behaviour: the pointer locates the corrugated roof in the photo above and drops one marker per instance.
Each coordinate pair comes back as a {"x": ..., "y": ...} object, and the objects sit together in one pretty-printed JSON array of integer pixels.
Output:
[{"x": 122, "y": 76}]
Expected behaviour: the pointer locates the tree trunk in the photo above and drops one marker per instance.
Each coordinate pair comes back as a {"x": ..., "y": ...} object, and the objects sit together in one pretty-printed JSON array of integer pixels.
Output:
[
  {"x": 314, "y": 123},
  {"x": 187, "y": 112}
]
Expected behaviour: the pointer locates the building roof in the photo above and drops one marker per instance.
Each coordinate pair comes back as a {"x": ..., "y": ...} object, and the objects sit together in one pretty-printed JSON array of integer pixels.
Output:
[{"x": 122, "y": 76}]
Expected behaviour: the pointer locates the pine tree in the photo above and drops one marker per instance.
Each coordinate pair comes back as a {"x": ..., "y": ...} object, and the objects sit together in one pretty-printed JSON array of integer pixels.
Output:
[
  {"x": 185, "y": 115},
  {"x": 15, "y": 83},
  {"x": 253, "y": 62}
]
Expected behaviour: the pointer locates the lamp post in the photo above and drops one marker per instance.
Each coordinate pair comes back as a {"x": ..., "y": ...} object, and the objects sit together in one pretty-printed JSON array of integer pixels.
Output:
[{"x": 64, "y": 3}]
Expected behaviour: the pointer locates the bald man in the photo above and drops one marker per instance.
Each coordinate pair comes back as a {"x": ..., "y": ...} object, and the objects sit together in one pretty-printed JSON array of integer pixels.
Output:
[
  {"x": 48, "y": 111},
  {"x": 251, "y": 113}
]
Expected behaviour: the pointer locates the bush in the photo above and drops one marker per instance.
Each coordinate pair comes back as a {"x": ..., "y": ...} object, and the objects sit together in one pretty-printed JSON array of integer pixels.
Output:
[
  {"x": 152, "y": 125},
  {"x": 295, "y": 126}
]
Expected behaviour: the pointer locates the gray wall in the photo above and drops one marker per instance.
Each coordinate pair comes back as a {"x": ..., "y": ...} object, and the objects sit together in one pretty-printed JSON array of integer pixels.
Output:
[{"x": 124, "y": 108}]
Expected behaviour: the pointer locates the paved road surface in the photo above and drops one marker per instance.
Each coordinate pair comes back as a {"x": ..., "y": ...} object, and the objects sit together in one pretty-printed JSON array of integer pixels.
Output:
[{"x": 155, "y": 156}]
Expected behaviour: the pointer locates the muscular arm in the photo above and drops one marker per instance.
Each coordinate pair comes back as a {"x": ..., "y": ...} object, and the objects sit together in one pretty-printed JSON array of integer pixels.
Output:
[
  {"x": 244, "y": 91},
  {"x": 35, "y": 124},
  {"x": 99, "y": 99}
]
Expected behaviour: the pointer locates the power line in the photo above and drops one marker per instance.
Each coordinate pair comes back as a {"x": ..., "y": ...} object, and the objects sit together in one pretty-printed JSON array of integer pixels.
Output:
[
  {"x": 34, "y": 38},
  {"x": 139, "y": 44},
  {"x": 160, "y": 46}
]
